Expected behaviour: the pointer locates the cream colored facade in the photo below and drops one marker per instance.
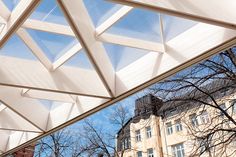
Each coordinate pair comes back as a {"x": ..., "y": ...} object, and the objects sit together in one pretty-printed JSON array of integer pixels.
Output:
[
  {"x": 146, "y": 142},
  {"x": 204, "y": 122},
  {"x": 164, "y": 142}
]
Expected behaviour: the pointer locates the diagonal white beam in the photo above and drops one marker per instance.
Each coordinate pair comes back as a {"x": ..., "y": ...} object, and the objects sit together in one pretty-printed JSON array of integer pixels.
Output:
[
  {"x": 9, "y": 120},
  {"x": 31, "y": 74},
  {"x": 36, "y": 50},
  {"x": 113, "y": 19},
  {"x": 162, "y": 32},
  {"x": 180, "y": 50},
  {"x": 4, "y": 13},
  {"x": 19, "y": 137},
  {"x": 216, "y": 12},
  {"x": 80, "y": 21},
  {"x": 70, "y": 53},
  {"x": 18, "y": 16},
  {"x": 53, "y": 96},
  {"x": 48, "y": 27},
  {"x": 30, "y": 110},
  {"x": 131, "y": 42}
]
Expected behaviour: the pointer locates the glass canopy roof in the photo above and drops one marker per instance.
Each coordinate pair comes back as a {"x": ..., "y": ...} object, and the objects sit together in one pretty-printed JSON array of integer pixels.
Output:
[{"x": 62, "y": 60}]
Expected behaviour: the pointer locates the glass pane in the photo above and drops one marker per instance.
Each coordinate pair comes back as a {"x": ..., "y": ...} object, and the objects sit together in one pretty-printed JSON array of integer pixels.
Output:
[
  {"x": 138, "y": 23},
  {"x": 15, "y": 47},
  {"x": 51, "y": 104},
  {"x": 122, "y": 56},
  {"x": 49, "y": 11},
  {"x": 11, "y": 4},
  {"x": 53, "y": 45},
  {"x": 100, "y": 10},
  {"x": 173, "y": 26},
  {"x": 79, "y": 60}
]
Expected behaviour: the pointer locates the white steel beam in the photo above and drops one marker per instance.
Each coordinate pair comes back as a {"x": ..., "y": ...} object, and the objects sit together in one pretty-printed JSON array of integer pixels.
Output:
[
  {"x": 31, "y": 110},
  {"x": 17, "y": 18},
  {"x": 31, "y": 74},
  {"x": 70, "y": 53},
  {"x": 113, "y": 19},
  {"x": 179, "y": 50},
  {"x": 216, "y": 12},
  {"x": 48, "y": 27},
  {"x": 4, "y": 134},
  {"x": 53, "y": 96},
  {"x": 162, "y": 32},
  {"x": 81, "y": 24},
  {"x": 68, "y": 111},
  {"x": 10, "y": 120},
  {"x": 35, "y": 49},
  {"x": 131, "y": 42},
  {"x": 17, "y": 138},
  {"x": 4, "y": 13}
]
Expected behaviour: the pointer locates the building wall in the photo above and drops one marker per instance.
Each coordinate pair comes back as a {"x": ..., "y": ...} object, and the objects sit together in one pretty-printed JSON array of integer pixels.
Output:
[
  {"x": 162, "y": 143},
  {"x": 185, "y": 136},
  {"x": 145, "y": 143}
]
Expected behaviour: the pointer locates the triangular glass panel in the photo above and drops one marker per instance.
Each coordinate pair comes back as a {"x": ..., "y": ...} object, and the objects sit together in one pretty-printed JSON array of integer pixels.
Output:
[
  {"x": 121, "y": 56},
  {"x": 138, "y": 23},
  {"x": 11, "y": 4},
  {"x": 80, "y": 59},
  {"x": 174, "y": 26},
  {"x": 15, "y": 47},
  {"x": 49, "y": 11},
  {"x": 51, "y": 104},
  {"x": 12, "y": 121},
  {"x": 100, "y": 10},
  {"x": 53, "y": 45}
]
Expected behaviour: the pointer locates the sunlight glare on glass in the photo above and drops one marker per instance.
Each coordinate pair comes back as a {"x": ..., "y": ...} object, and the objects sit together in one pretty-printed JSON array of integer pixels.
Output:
[
  {"x": 11, "y": 4},
  {"x": 49, "y": 11},
  {"x": 100, "y": 10}
]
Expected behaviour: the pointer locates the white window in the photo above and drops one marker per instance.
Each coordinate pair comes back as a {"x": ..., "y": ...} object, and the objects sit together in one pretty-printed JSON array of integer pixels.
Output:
[
  {"x": 139, "y": 154},
  {"x": 126, "y": 143},
  {"x": 148, "y": 132},
  {"x": 205, "y": 117},
  {"x": 193, "y": 119},
  {"x": 169, "y": 129},
  {"x": 150, "y": 152},
  {"x": 178, "y": 150},
  {"x": 138, "y": 135},
  {"x": 233, "y": 106},
  {"x": 178, "y": 125}
]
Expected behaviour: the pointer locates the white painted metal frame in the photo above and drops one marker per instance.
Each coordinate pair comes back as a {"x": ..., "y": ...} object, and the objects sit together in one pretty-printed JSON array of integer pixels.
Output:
[{"x": 78, "y": 92}]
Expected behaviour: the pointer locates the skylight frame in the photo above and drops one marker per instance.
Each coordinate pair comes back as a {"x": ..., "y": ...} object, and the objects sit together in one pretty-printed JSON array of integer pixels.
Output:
[{"x": 115, "y": 85}]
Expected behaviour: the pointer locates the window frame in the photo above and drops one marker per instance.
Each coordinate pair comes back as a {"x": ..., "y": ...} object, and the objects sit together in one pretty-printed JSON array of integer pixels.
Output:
[
  {"x": 194, "y": 120},
  {"x": 169, "y": 128},
  {"x": 150, "y": 152},
  {"x": 138, "y": 135},
  {"x": 148, "y": 131},
  {"x": 178, "y": 148},
  {"x": 139, "y": 155},
  {"x": 205, "y": 118},
  {"x": 178, "y": 125},
  {"x": 233, "y": 105}
]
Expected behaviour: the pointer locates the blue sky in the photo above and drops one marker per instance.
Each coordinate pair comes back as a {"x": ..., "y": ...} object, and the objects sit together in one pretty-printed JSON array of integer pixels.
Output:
[{"x": 139, "y": 23}]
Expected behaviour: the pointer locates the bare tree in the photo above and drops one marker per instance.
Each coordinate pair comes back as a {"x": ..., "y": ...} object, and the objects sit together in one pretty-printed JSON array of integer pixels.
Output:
[
  {"x": 201, "y": 87},
  {"x": 58, "y": 144},
  {"x": 97, "y": 141}
]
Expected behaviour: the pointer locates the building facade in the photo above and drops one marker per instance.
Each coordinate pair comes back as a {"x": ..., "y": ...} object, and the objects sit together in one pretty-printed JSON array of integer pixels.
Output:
[
  {"x": 167, "y": 131},
  {"x": 140, "y": 136}
]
